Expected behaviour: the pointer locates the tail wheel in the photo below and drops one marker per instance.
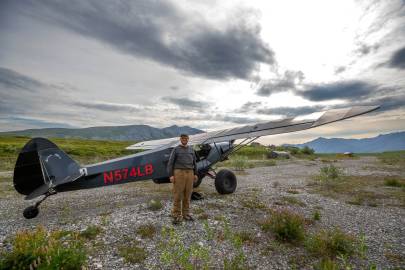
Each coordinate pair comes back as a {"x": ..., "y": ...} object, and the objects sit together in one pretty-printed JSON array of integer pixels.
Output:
[{"x": 225, "y": 182}]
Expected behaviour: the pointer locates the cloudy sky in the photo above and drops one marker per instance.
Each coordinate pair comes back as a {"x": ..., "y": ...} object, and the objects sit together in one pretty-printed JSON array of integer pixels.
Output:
[{"x": 207, "y": 64}]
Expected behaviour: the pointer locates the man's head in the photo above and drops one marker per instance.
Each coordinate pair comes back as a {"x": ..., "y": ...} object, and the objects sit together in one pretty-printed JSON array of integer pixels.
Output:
[{"x": 184, "y": 139}]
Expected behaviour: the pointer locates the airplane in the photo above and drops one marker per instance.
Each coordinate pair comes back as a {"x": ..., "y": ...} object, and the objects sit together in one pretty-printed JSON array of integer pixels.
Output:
[{"x": 42, "y": 169}]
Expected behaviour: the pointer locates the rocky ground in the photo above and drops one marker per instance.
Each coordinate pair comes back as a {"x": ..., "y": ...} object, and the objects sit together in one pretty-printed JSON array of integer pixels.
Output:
[{"x": 120, "y": 210}]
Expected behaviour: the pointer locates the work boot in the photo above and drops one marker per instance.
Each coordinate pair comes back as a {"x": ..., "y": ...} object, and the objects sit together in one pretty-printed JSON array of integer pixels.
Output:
[
  {"x": 176, "y": 220},
  {"x": 188, "y": 217}
]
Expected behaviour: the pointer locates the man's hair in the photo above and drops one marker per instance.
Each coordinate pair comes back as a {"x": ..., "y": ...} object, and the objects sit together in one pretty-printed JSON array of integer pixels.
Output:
[{"x": 183, "y": 135}]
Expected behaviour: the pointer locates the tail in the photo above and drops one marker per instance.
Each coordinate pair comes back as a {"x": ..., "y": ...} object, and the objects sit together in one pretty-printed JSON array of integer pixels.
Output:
[{"x": 41, "y": 166}]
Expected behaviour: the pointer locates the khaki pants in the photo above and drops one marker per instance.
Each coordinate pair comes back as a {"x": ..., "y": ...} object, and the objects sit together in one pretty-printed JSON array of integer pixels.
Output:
[{"x": 182, "y": 189}]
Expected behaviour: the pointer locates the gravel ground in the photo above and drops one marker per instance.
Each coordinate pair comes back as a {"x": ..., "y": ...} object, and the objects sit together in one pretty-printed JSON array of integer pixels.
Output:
[{"x": 121, "y": 209}]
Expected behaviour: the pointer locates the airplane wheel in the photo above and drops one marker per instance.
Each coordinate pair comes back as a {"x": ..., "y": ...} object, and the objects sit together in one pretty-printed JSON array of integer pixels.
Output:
[
  {"x": 30, "y": 212},
  {"x": 225, "y": 182},
  {"x": 197, "y": 183}
]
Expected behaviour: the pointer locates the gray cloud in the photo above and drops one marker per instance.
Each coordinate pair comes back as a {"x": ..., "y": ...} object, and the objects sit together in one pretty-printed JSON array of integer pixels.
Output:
[
  {"x": 288, "y": 81},
  {"x": 248, "y": 107},
  {"x": 111, "y": 107},
  {"x": 364, "y": 49},
  {"x": 290, "y": 111},
  {"x": 186, "y": 103},
  {"x": 398, "y": 59},
  {"x": 340, "y": 69},
  {"x": 162, "y": 32},
  {"x": 11, "y": 79},
  {"x": 220, "y": 118},
  {"x": 347, "y": 90}
]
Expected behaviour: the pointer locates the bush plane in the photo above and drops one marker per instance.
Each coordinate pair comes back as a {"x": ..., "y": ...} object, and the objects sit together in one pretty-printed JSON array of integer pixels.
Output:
[{"x": 42, "y": 169}]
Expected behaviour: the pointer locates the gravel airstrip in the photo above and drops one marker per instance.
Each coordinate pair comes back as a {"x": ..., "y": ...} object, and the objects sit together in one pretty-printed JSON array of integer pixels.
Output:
[{"x": 119, "y": 210}]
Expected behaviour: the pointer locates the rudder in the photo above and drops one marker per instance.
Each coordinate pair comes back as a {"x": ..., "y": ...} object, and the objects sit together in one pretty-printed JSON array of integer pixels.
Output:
[{"x": 40, "y": 166}]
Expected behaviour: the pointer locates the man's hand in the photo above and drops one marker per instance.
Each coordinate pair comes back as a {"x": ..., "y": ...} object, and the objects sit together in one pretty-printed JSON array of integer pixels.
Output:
[
  {"x": 195, "y": 178},
  {"x": 172, "y": 179}
]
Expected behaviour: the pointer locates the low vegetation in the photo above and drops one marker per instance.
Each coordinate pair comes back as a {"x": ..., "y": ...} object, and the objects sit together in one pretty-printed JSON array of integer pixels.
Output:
[
  {"x": 393, "y": 182},
  {"x": 91, "y": 232},
  {"x": 146, "y": 230},
  {"x": 42, "y": 249},
  {"x": 396, "y": 158},
  {"x": 285, "y": 225},
  {"x": 155, "y": 205},
  {"x": 316, "y": 215},
  {"x": 175, "y": 255},
  {"x": 331, "y": 244},
  {"x": 81, "y": 150},
  {"x": 133, "y": 252},
  {"x": 370, "y": 190}
]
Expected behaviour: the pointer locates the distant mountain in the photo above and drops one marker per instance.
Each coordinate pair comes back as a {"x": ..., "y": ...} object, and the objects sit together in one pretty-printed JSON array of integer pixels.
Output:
[
  {"x": 386, "y": 142},
  {"x": 118, "y": 133}
]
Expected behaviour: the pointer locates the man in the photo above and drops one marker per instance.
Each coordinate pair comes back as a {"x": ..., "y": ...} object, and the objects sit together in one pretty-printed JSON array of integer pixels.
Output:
[{"x": 182, "y": 170}]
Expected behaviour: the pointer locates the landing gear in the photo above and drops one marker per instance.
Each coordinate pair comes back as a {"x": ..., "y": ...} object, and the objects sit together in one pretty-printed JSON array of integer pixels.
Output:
[
  {"x": 33, "y": 211},
  {"x": 225, "y": 182}
]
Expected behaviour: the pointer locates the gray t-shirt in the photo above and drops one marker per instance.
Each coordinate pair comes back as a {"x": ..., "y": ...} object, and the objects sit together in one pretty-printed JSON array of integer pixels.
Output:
[{"x": 182, "y": 157}]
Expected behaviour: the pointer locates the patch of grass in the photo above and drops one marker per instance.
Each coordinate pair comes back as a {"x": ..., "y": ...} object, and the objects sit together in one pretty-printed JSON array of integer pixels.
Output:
[
  {"x": 132, "y": 253},
  {"x": 239, "y": 163},
  {"x": 327, "y": 264},
  {"x": 198, "y": 210},
  {"x": 175, "y": 255},
  {"x": 91, "y": 232},
  {"x": 293, "y": 200},
  {"x": 203, "y": 216},
  {"x": 155, "y": 205},
  {"x": 146, "y": 230},
  {"x": 43, "y": 249},
  {"x": 253, "y": 203},
  {"x": 246, "y": 236},
  {"x": 369, "y": 190},
  {"x": 364, "y": 198},
  {"x": 393, "y": 182},
  {"x": 329, "y": 175},
  {"x": 82, "y": 150},
  {"x": 316, "y": 215},
  {"x": 396, "y": 158},
  {"x": 286, "y": 226},
  {"x": 331, "y": 243},
  {"x": 394, "y": 257}
]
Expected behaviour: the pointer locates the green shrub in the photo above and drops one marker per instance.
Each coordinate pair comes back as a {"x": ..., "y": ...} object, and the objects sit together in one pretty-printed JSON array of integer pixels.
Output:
[
  {"x": 332, "y": 243},
  {"x": 285, "y": 225},
  {"x": 41, "y": 249},
  {"x": 307, "y": 151},
  {"x": 239, "y": 163},
  {"x": 155, "y": 205},
  {"x": 329, "y": 175},
  {"x": 392, "y": 182},
  {"x": 317, "y": 215}
]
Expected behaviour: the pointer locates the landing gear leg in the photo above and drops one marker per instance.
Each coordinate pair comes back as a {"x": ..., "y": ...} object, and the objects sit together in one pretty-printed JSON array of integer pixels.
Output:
[{"x": 33, "y": 210}]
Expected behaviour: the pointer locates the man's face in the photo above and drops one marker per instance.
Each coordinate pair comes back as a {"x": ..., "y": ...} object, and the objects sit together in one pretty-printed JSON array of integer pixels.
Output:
[{"x": 184, "y": 140}]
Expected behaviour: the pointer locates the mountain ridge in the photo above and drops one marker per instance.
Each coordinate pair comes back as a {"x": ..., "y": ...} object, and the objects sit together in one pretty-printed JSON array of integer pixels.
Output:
[
  {"x": 384, "y": 142},
  {"x": 117, "y": 133}
]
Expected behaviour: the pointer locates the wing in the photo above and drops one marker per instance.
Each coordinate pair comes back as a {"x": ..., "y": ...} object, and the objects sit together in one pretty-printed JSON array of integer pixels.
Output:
[{"x": 260, "y": 129}]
